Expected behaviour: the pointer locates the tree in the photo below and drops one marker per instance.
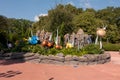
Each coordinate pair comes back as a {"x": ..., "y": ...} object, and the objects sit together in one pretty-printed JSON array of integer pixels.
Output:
[
  {"x": 18, "y": 28},
  {"x": 3, "y": 30},
  {"x": 3, "y": 23},
  {"x": 112, "y": 34},
  {"x": 58, "y": 16},
  {"x": 41, "y": 24}
]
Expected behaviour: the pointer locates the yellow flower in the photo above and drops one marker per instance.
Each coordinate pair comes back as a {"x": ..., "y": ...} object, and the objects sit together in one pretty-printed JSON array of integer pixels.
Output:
[
  {"x": 25, "y": 39},
  {"x": 69, "y": 45}
]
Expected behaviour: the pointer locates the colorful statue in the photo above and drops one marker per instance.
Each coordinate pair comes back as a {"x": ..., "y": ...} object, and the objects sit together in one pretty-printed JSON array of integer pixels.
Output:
[
  {"x": 100, "y": 33},
  {"x": 33, "y": 40}
]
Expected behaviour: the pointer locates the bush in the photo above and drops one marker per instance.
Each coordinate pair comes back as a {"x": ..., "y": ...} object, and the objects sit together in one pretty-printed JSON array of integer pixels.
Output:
[
  {"x": 88, "y": 49},
  {"x": 26, "y": 48},
  {"x": 92, "y": 49},
  {"x": 111, "y": 47},
  {"x": 20, "y": 46},
  {"x": 53, "y": 51},
  {"x": 70, "y": 51}
]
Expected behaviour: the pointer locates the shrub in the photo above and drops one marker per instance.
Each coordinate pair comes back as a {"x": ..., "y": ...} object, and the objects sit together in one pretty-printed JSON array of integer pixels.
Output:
[
  {"x": 92, "y": 49},
  {"x": 26, "y": 48},
  {"x": 53, "y": 51},
  {"x": 111, "y": 47},
  {"x": 68, "y": 51},
  {"x": 88, "y": 49},
  {"x": 19, "y": 46}
]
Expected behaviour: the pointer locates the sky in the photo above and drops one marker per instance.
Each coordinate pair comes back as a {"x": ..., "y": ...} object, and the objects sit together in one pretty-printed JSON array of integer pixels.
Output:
[{"x": 30, "y": 9}]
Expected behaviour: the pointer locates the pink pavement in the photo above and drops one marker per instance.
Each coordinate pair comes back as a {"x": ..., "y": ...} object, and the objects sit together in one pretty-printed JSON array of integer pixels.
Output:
[{"x": 34, "y": 71}]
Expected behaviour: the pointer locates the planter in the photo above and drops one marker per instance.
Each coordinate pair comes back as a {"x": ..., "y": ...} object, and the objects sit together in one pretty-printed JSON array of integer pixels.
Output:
[{"x": 88, "y": 59}]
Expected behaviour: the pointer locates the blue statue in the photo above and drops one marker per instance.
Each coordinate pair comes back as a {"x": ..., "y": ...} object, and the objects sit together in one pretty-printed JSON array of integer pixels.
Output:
[{"x": 33, "y": 40}]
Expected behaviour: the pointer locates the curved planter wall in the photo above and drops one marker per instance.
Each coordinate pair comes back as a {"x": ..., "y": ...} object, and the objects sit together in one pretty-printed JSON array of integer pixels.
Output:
[
  {"x": 61, "y": 59},
  {"x": 75, "y": 60}
]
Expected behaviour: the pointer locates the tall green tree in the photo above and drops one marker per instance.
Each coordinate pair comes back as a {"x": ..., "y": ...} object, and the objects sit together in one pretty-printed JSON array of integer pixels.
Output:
[
  {"x": 18, "y": 28},
  {"x": 58, "y": 16},
  {"x": 3, "y": 23},
  {"x": 3, "y": 30}
]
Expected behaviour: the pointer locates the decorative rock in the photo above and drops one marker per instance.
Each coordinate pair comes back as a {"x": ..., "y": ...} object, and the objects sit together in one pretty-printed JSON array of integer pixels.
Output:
[
  {"x": 71, "y": 62},
  {"x": 28, "y": 54},
  {"x": 83, "y": 63},
  {"x": 91, "y": 58},
  {"x": 6, "y": 54},
  {"x": 51, "y": 62},
  {"x": 75, "y": 58},
  {"x": 68, "y": 57},
  {"x": 97, "y": 57},
  {"x": 44, "y": 57},
  {"x": 31, "y": 58},
  {"x": 51, "y": 57},
  {"x": 46, "y": 61},
  {"x": 56, "y": 62},
  {"x": 60, "y": 55},
  {"x": 92, "y": 63},
  {"x": 61, "y": 59},
  {"x": 34, "y": 60},
  {"x": 56, "y": 58},
  {"x": 17, "y": 55},
  {"x": 101, "y": 62},
  {"x": 83, "y": 59},
  {"x": 108, "y": 60},
  {"x": 106, "y": 56}
]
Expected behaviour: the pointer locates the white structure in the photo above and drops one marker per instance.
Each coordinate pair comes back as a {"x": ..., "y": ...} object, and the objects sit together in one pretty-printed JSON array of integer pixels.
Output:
[{"x": 100, "y": 33}]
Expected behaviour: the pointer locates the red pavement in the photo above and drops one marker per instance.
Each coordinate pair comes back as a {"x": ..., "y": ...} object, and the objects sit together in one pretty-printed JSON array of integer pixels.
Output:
[{"x": 34, "y": 71}]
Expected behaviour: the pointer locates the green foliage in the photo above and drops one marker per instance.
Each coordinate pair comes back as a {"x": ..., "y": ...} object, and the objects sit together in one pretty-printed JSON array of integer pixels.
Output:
[
  {"x": 19, "y": 46},
  {"x": 19, "y": 28},
  {"x": 3, "y": 30},
  {"x": 60, "y": 16},
  {"x": 111, "y": 47},
  {"x": 89, "y": 49},
  {"x": 53, "y": 51},
  {"x": 67, "y": 18},
  {"x": 3, "y": 23},
  {"x": 34, "y": 48},
  {"x": 69, "y": 51},
  {"x": 112, "y": 34},
  {"x": 92, "y": 49}
]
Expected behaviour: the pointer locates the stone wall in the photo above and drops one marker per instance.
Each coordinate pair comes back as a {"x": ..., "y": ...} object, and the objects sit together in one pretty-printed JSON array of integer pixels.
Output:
[
  {"x": 75, "y": 60},
  {"x": 61, "y": 59}
]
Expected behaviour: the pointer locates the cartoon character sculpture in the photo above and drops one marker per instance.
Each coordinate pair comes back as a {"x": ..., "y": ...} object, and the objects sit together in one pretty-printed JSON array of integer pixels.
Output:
[
  {"x": 33, "y": 40},
  {"x": 100, "y": 33}
]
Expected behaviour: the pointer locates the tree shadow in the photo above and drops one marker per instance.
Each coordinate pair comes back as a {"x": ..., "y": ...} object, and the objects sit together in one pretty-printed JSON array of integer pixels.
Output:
[
  {"x": 18, "y": 57},
  {"x": 9, "y": 74},
  {"x": 12, "y": 61},
  {"x": 8, "y": 58}
]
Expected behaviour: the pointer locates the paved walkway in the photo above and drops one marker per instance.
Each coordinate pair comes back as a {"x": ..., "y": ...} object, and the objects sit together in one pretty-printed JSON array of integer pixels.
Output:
[{"x": 32, "y": 71}]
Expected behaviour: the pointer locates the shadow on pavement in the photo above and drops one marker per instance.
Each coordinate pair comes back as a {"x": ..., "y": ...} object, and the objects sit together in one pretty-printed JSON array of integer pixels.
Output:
[
  {"x": 9, "y": 62},
  {"x": 9, "y": 74},
  {"x": 12, "y": 58},
  {"x": 18, "y": 57}
]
